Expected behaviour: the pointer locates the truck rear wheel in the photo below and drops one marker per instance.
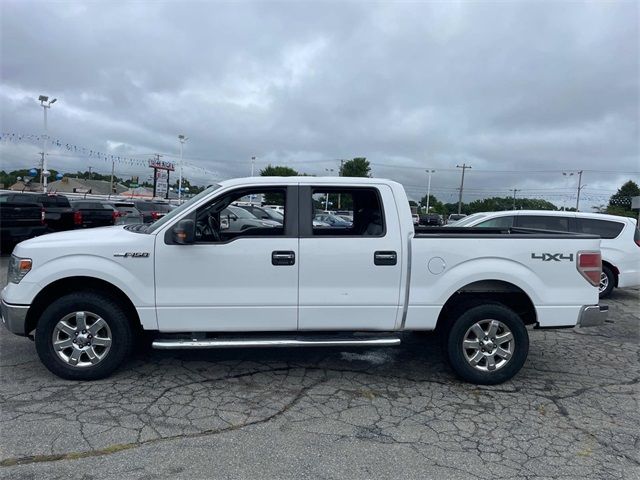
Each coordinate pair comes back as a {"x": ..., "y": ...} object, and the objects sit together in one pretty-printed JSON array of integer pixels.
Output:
[
  {"x": 83, "y": 336},
  {"x": 487, "y": 344}
]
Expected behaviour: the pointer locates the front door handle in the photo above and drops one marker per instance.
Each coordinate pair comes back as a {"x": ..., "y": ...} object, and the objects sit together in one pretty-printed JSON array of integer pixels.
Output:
[
  {"x": 280, "y": 257},
  {"x": 385, "y": 258}
]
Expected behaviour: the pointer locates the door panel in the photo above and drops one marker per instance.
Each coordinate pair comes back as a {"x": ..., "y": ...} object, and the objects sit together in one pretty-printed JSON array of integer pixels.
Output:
[
  {"x": 341, "y": 287},
  {"x": 226, "y": 287},
  {"x": 231, "y": 283}
]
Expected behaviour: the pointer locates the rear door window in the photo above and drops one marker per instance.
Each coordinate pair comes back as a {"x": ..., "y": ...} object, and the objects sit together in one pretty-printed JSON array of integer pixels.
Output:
[
  {"x": 544, "y": 222},
  {"x": 500, "y": 222},
  {"x": 603, "y": 228}
]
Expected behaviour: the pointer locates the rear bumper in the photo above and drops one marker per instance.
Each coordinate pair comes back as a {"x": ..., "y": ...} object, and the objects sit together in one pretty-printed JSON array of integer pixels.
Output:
[
  {"x": 14, "y": 317},
  {"x": 593, "y": 315}
]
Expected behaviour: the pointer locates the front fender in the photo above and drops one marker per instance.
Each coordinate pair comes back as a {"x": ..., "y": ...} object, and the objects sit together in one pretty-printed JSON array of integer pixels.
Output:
[{"x": 135, "y": 279}]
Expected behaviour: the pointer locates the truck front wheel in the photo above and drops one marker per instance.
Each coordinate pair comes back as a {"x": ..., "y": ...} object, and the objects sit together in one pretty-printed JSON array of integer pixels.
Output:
[
  {"x": 83, "y": 336},
  {"x": 487, "y": 344}
]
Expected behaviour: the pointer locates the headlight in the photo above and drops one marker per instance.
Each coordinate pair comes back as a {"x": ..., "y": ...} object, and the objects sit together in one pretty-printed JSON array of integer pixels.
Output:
[{"x": 18, "y": 268}]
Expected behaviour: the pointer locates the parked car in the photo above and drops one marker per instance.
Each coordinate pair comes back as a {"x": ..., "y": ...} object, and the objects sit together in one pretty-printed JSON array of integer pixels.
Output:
[
  {"x": 455, "y": 217},
  {"x": 19, "y": 221},
  {"x": 277, "y": 208},
  {"x": 431, "y": 219},
  {"x": 58, "y": 215},
  {"x": 236, "y": 219},
  {"x": 620, "y": 236},
  {"x": 333, "y": 220},
  {"x": 264, "y": 213},
  {"x": 93, "y": 213},
  {"x": 151, "y": 210},
  {"x": 128, "y": 214},
  {"x": 86, "y": 294}
]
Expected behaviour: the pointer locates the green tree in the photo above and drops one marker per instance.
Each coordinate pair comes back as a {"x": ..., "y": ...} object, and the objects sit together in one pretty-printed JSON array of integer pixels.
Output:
[
  {"x": 278, "y": 171},
  {"x": 620, "y": 202},
  {"x": 358, "y": 167},
  {"x": 435, "y": 205}
]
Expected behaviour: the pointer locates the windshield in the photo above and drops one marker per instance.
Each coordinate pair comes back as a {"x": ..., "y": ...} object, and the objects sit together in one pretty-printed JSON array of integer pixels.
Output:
[
  {"x": 173, "y": 213},
  {"x": 274, "y": 214},
  {"x": 470, "y": 219},
  {"x": 240, "y": 212}
]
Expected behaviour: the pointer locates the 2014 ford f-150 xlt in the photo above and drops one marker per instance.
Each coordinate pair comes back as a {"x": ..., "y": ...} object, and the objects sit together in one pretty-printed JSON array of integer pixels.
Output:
[{"x": 195, "y": 281}]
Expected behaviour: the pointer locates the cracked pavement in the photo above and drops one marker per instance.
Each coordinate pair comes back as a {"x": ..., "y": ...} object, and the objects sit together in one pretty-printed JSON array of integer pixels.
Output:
[{"x": 572, "y": 412}]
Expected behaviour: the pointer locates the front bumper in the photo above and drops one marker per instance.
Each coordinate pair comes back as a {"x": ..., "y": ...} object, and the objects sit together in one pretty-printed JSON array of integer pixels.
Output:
[
  {"x": 14, "y": 317},
  {"x": 593, "y": 315}
]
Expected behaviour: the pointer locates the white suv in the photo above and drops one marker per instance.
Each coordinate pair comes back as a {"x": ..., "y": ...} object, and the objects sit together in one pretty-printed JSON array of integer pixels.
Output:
[{"x": 620, "y": 238}]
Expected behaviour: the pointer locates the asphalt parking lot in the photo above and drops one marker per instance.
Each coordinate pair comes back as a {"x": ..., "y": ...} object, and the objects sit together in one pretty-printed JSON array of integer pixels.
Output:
[{"x": 330, "y": 413}]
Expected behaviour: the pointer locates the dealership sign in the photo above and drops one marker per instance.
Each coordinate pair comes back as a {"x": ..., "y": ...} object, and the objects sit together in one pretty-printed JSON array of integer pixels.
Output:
[{"x": 162, "y": 165}]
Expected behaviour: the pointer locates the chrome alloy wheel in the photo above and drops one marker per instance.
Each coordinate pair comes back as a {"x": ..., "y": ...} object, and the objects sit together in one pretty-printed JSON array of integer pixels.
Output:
[
  {"x": 604, "y": 282},
  {"x": 488, "y": 345},
  {"x": 81, "y": 339}
]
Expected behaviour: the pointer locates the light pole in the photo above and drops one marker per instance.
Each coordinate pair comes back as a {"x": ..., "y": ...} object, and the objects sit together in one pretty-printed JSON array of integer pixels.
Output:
[
  {"x": 326, "y": 198},
  {"x": 253, "y": 164},
  {"x": 181, "y": 139},
  {"x": 429, "y": 172},
  {"x": 45, "y": 103}
]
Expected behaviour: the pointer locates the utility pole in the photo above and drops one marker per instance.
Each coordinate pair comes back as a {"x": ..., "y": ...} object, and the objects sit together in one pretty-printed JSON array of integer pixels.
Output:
[
  {"x": 464, "y": 166},
  {"x": 429, "y": 172},
  {"x": 580, "y": 187},
  {"x": 514, "y": 197},
  {"x": 253, "y": 164}
]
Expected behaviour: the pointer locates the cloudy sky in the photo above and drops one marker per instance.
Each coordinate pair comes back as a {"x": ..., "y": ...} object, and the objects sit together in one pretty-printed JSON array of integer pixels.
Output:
[{"x": 519, "y": 90}]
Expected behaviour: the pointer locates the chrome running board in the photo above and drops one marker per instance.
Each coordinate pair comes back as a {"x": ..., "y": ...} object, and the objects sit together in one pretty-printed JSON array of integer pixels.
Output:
[{"x": 368, "y": 341}]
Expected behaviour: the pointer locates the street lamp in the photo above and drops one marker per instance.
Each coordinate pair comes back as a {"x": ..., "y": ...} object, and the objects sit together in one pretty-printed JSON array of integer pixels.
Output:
[
  {"x": 429, "y": 172},
  {"x": 45, "y": 103},
  {"x": 182, "y": 139}
]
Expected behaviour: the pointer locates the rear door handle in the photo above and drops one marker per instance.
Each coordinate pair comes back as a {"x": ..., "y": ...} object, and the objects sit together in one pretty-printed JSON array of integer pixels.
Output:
[
  {"x": 280, "y": 257},
  {"x": 385, "y": 258}
]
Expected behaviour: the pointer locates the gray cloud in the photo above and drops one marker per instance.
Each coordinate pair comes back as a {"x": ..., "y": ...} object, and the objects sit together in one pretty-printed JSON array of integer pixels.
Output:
[{"x": 503, "y": 86}]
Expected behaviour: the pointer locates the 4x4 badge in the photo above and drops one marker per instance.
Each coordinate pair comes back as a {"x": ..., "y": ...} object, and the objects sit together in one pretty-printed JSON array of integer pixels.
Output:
[{"x": 547, "y": 257}]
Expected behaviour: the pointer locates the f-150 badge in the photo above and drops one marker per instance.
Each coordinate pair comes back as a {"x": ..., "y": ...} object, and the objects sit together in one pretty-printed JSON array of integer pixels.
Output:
[
  {"x": 132, "y": 254},
  {"x": 557, "y": 257}
]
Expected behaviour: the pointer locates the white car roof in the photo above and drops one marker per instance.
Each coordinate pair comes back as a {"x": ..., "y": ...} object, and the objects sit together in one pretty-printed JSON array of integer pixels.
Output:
[
  {"x": 306, "y": 180},
  {"x": 557, "y": 213}
]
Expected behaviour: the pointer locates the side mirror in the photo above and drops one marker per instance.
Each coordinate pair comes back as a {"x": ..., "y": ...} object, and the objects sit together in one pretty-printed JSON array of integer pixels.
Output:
[{"x": 184, "y": 232}]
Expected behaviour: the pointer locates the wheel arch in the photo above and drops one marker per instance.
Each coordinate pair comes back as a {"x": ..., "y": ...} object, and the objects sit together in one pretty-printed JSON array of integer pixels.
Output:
[
  {"x": 63, "y": 286},
  {"x": 484, "y": 292},
  {"x": 614, "y": 270}
]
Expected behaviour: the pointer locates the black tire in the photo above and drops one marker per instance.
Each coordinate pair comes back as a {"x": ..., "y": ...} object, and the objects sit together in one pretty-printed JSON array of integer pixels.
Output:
[
  {"x": 122, "y": 336},
  {"x": 457, "y": 354},
  {"x": 611, "y": 280}
]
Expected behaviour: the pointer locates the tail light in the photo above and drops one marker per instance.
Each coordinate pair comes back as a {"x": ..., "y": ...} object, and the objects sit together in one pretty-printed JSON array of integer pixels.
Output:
[
  {"x": 115, "y": 215},
  {"x": 77, "y": 218},
  {"x": 155, "y": 215},
  {"x": 42, "y": 217},
  {"x": 590, "y": 266}
]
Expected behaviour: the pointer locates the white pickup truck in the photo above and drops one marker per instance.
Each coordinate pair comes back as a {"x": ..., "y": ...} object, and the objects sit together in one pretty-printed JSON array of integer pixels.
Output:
[{"x": 197, "y": 279}]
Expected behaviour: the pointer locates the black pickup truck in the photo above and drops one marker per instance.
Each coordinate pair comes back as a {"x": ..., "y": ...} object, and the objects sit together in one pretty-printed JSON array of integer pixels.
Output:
[
  {"x": 19, "y": 221},
  {"x": 58, "y": 214},
  {"x": 93, "y": 213}
]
